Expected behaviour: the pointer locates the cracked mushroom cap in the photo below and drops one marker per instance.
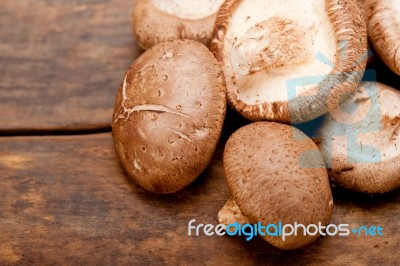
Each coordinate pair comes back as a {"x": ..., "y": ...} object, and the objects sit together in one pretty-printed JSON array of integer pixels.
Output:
[
  {"x": 155, "y": 21},
  {"x": 168, "y": 115},
  {"x": 360, "y": 141},
  {"x": 276, "y": 174},
  {"x": 290, "y": 61},
  {"x": 383, "y": 20}
]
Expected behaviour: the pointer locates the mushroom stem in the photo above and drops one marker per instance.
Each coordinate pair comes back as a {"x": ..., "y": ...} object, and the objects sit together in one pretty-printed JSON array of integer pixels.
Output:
[
  {"x": 231, "y": 213},
  {"x": 274, "y": 42}
]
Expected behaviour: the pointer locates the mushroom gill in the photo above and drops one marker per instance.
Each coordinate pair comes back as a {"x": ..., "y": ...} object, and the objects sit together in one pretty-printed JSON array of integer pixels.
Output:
[{"x": 274, "y": 42}]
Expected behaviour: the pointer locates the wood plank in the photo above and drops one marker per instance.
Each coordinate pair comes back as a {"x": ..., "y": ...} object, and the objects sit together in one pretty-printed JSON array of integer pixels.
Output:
[
  {"x": 61, "y": 62},
  {"x": 66, "y": 199}
]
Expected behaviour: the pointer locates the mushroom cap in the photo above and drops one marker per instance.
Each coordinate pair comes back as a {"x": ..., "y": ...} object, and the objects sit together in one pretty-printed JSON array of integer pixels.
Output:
[
  {"x": 155, "y": 21},
  {"x": 313, "y": 59},
  {"x": 360, "y": 141},
  {"x": 168, "y": 115},
  {"x": 383, "y": 20},
  {"x": 277, "y": 174}
]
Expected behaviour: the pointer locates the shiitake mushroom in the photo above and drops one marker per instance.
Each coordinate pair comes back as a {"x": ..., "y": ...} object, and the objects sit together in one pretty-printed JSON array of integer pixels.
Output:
[{"x": 169, "y": 114}]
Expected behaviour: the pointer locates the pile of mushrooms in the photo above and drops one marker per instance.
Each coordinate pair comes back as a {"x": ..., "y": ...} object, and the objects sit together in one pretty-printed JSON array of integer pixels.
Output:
[{"x": 276, "y": 63}]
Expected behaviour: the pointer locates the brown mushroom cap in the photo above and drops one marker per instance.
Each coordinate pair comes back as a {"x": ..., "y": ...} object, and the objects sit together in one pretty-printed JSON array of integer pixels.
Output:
[
  {"x": 290, "y": 61},
  {"x": 155, "y": 21},
  {"x": 360, "y": 141},
  {"x": 383, "y": 20},
  {"x": 168, "y": 115},
  {"x": 277, "y": 174}
]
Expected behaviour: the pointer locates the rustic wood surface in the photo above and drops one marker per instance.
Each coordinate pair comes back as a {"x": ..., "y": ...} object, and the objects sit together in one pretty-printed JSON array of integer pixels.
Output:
[
  {"x": 66, "y": 199},
  {"x": 61, "y": 62}
]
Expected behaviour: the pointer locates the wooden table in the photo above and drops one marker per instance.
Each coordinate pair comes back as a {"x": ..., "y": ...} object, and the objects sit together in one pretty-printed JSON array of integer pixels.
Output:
[{"x": 64, "y": 197}]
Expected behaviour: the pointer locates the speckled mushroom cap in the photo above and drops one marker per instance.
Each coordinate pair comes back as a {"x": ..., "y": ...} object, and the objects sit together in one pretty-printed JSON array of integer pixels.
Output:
[
  {"x": 383, "y": 19},
  {"x": 360, "y": 141},
  {"x": 277, "y": 174},
  {"x": 155, "y": 21},
  {"x": 168, "y": 115},
  {"x": 290, "y": 61}
]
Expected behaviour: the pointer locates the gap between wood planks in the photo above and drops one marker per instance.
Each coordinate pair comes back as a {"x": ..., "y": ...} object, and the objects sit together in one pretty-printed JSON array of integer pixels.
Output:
[{"x": 55, "y": 132}]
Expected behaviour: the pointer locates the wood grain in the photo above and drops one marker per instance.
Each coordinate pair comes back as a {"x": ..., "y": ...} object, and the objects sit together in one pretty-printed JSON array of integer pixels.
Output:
[
  {"x": 66, "y": 200},
  {"x": 61, "y": 62}
]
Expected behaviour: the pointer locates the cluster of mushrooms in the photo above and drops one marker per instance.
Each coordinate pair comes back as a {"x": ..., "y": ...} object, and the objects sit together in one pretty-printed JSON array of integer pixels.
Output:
[{"x": 277, "y": 63}]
